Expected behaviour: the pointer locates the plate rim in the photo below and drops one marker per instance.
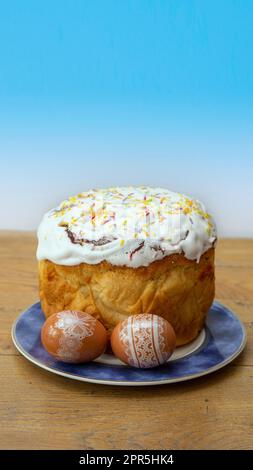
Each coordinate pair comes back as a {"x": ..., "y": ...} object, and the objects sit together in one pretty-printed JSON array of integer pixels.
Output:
[{"x": 125, "y": 383}]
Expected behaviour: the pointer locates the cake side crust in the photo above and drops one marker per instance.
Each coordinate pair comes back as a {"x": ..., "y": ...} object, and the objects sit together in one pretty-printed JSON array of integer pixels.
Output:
[{"x": 176, "y": 288}]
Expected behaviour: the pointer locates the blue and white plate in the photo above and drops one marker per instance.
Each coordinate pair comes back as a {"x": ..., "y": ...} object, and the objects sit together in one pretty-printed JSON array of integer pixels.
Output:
[{"x": 221, "y": 341}]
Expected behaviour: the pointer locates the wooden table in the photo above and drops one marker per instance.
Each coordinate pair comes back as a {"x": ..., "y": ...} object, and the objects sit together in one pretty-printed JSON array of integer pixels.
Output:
[{"x": 39, "y": 410}]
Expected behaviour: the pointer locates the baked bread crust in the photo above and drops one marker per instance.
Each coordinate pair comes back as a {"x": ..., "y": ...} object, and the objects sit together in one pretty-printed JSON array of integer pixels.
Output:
[{"x": 176, "y": 288}]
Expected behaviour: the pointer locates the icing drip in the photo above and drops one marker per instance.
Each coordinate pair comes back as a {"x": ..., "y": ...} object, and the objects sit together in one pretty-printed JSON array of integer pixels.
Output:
[{"x": 125, "y": 226}]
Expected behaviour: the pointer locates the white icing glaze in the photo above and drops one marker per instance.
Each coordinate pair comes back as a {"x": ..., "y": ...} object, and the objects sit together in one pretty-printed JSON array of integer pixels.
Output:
[{"x": 125, "y": 226}]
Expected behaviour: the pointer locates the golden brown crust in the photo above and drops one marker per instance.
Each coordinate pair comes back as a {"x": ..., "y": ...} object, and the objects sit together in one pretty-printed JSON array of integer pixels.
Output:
[{"x": 178, "y": 289}]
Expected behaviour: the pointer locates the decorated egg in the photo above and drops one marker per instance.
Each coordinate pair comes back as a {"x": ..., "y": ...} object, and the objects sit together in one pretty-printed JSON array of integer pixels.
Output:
[
  {"x": 73, "y": 336},
  {"x": 143, "y": 340}
]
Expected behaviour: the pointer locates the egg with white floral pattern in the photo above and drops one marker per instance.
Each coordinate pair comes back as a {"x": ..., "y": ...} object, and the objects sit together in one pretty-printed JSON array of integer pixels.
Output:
[
  {"x": 73, "y": 336},
  {"x": 143, "y": 340}
]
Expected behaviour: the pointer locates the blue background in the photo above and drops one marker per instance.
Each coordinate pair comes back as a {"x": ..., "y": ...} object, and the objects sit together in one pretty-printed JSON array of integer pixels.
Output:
[{"x": 95, "y": 93}]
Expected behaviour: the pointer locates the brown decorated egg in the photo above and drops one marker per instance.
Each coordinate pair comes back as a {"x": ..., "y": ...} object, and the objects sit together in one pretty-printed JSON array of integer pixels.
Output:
[
  {"x": 73, "y": 336},
  {"x": 143, "y": 340}
]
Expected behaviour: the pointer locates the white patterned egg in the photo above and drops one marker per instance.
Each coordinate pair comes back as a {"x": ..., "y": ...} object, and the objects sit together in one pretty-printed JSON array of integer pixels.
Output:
[
  {"x": 143, "y": 340},
  {"x": 73, "y": 336}
]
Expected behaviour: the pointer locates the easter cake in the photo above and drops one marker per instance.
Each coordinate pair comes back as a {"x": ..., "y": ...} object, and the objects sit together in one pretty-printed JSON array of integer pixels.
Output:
[{"x": 123, "y": 251}]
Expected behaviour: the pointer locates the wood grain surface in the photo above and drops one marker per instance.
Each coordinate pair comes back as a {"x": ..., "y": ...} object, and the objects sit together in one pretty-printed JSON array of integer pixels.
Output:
[{"x": 39, "y": 410}]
